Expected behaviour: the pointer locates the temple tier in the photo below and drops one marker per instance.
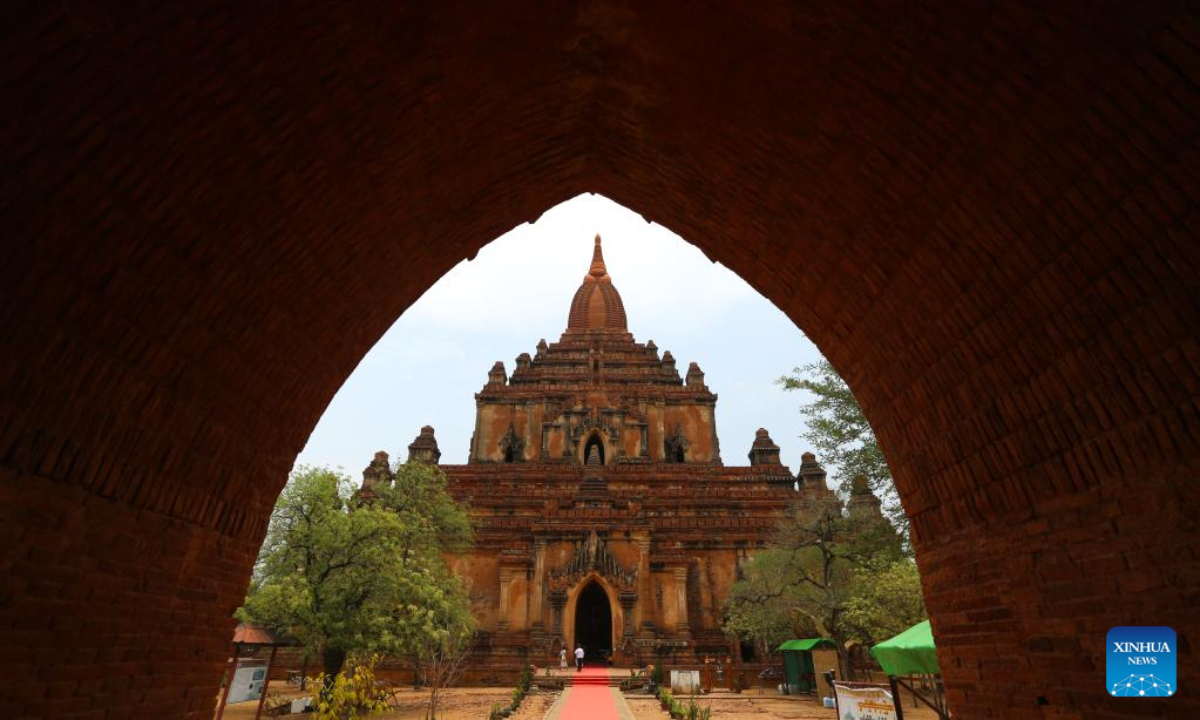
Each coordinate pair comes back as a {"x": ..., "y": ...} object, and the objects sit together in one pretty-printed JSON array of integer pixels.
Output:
[{"x": 603, "y": 514}]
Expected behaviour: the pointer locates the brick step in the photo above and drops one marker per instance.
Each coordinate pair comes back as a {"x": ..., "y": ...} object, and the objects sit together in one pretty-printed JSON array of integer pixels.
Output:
[{"x": 590, "y": 679}]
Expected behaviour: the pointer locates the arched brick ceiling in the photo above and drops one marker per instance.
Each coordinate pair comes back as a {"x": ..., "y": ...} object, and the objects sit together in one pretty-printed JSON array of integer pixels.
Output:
[{"x": 984, "y": 214}]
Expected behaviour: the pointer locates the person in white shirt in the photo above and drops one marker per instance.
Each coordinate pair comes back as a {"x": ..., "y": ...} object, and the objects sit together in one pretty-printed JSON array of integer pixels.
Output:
[{"x": 578, "y": 658}]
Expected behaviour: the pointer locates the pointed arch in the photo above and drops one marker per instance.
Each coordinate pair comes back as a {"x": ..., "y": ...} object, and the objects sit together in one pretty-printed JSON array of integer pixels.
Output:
[
  {"x": 592, "y": 583},
  {"x": 595, "y": 440}
]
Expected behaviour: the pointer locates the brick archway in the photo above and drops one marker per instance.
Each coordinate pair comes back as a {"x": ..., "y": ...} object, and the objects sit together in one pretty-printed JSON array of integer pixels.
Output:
[
  {"x": 984, "y": 216},
  {"x": 616, "y": 615}
]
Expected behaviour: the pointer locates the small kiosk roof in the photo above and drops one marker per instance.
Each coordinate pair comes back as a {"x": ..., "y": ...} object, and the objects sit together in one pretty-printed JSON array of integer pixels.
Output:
[
  {"x": 806, "y": 644},
  {"x": 246, "y": 634},
  {"x": 912, "y": 652}
]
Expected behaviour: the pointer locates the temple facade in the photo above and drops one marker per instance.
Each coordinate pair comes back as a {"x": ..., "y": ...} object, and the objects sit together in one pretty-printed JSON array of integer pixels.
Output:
[{"x": 603, "y": 513}]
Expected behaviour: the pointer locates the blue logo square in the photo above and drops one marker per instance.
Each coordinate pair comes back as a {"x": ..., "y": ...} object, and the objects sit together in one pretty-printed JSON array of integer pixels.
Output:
[{"x": 1140, "y": 661}]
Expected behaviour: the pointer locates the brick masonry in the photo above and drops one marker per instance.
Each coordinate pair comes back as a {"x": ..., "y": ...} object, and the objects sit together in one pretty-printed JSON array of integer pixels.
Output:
[{"x": 985, "y": 216}]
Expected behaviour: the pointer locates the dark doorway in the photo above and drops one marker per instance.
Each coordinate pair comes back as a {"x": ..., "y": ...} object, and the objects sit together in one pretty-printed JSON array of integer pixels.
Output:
[
  {"x": 593, "y": 623},
  {"x": 593, "y": 453}
]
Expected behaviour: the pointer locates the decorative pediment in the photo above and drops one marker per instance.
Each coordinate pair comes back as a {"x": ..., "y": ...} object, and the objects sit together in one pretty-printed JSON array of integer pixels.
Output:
[
  {"x": 592, "y": 556},
  {"x": 589, "y": 424}
]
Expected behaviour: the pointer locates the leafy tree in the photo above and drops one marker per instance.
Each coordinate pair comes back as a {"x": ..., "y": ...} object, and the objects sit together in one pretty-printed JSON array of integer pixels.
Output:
[
  {"x": 431, "y": 520},
  {"x": 885, "y": 600},
  {"x": 843, "y": 438},
  {"x": 343, "y": 575},
  {"x": 444, "y": 637},
  {"x": 766, "y": 607},
  {"x": 803, "y": 584}
]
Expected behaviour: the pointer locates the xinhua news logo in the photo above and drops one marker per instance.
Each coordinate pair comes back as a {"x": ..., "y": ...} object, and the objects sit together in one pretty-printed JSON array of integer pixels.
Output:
[{"x": 1141, "y": 661}]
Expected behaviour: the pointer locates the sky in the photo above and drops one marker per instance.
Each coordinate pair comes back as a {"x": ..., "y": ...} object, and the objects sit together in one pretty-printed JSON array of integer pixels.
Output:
[{"x": 426, "y": 369}]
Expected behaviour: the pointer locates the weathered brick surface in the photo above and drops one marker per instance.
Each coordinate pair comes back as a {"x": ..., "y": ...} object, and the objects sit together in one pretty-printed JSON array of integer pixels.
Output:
[{"x": 984, "y": 214}]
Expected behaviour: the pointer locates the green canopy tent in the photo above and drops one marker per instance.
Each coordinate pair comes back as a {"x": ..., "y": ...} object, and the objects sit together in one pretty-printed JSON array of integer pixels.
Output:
[
  {"x": 910, "y": 653},
  {"x": 798, "y": 663}
]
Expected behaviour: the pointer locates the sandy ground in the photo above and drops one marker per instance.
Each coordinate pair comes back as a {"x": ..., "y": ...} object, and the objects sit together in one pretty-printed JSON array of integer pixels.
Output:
[
  {"x": 469, "y": 704},
  {"x": 645, "y": 707},
  {"x": 455, "y": 704},
  {"x": 756, "y": 705}
]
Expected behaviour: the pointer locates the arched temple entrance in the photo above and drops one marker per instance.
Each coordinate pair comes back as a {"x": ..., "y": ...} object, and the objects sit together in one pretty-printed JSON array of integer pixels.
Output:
[
  {"x": 594, "y": 622},
  {"x": 983, "y": 214},
  {"x": 593, "y": 451}
]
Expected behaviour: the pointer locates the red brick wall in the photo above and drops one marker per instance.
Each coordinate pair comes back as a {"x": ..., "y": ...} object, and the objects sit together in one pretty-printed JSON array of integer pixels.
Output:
[{"x": 984, "y": 215}]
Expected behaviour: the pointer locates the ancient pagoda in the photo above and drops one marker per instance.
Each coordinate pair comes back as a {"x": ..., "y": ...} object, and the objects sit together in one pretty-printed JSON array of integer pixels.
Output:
[{"x": 603, "y": 514}]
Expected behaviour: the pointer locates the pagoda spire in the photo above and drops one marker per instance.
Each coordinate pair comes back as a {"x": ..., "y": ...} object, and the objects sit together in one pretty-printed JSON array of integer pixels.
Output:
[
  {"x": 597, "y": 304},
  {"x": 598, "y": 270}
]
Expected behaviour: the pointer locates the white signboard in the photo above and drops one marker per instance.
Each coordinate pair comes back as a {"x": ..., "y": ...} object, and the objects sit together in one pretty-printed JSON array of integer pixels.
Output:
[
  {"x": 248, "y": 681},
  {"x": 685, "y": 682},
  {"x": 864, "y": 703}
]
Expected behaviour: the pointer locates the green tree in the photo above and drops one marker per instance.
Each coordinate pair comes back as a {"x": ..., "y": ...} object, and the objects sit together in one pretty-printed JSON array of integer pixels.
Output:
[
  {"x": 803, "y": 585},
  {"x": 885, "y": 600},
  {"x": 444, "y": 637},
  {"x": 432, "y": 522},
  {"x": 766, "y": 607},
  {"x": 842, "y": 437},
  {"x": 346, "y": 576}
]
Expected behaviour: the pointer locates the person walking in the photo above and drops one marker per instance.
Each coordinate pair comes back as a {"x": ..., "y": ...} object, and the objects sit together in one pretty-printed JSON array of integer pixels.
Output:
[
  {"x": 578, "y": 658},
  {"x": 562, "y": 659}
]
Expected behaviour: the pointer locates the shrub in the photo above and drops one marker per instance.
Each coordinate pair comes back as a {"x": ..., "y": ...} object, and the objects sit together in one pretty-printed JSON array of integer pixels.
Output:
[
  {"x": 665, "y": 698},
  {"x": 526, "y": 680},
  {"x": 657, "y": 673},
  {"x": 351, "y": 693},
  {"x": 524, "y": 683}
]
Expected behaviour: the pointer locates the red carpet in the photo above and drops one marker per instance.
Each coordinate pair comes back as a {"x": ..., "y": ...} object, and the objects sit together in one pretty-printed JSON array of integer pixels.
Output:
[{"x": 589, "y": 698}]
